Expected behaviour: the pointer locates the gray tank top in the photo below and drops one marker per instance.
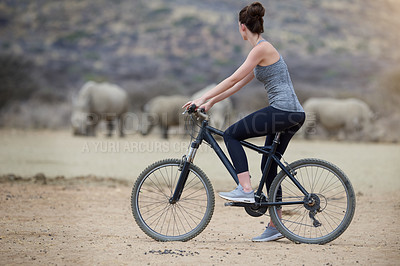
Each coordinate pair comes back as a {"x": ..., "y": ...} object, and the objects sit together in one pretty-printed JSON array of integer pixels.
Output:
[{"x": 279, "y": 86}]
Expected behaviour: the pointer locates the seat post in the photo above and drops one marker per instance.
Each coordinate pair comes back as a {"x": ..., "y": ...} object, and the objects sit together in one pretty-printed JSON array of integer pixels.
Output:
[{"x": 275, "y": 142}]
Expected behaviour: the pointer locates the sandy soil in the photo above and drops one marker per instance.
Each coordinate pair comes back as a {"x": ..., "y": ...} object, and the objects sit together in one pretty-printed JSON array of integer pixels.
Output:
[{"x": 88, "y": 220}]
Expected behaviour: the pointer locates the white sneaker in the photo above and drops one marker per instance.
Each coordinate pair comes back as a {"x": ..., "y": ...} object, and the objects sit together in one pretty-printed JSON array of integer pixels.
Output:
[
  {"x": 270, "y": 234},
  {"x": 238, "y": 195}
]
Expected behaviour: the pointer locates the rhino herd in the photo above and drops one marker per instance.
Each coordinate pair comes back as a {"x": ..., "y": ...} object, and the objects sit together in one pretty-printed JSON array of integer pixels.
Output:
[{"x": 108, "y": 103}]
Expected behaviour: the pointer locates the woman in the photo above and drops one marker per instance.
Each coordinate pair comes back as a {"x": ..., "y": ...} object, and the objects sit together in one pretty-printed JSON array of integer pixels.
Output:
[{"x": 284, "y": 114}]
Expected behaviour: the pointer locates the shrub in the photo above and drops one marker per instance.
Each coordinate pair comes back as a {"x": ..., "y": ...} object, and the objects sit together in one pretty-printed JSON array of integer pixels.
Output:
[
  {"x": 16, "y": 79},
  {"x": 35, "y": 114},
  {"x": 391, "y": 82}
]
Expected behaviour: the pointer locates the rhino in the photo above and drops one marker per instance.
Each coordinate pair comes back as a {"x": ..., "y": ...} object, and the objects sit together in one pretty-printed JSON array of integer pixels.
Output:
[
  {"x": 164, "y": 112},
  {"x": 350, "y": 117},
  {"x": 97, "y": 102}
]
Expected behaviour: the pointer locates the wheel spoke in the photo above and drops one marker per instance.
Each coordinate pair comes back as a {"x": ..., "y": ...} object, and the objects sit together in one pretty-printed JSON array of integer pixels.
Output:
[
  {"x": 163, "y": 220},
  {"x": 314, "y": 223}
]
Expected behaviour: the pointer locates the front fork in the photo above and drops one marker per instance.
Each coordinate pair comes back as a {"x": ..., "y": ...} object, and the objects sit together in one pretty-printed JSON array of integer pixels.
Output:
[{"x": 184, "y": 168}]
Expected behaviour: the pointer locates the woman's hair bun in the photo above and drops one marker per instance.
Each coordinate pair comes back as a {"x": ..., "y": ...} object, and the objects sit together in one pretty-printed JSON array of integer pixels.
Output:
[
  {"x": 252, "y": 16},
  {"x": 256, "y": 10}
]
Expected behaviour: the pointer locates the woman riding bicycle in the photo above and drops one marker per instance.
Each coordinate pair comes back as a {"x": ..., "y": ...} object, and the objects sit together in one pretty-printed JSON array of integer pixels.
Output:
[{"x": 284, "y": 114}]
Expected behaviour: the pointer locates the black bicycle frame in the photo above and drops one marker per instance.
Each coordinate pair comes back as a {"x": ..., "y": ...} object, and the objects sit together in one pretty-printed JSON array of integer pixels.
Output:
[{"x": 205, "y": 134}]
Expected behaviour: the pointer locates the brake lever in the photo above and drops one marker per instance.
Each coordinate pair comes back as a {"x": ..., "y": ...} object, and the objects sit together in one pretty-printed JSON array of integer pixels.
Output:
[
  {"x": 200, "y": 112},
  {"x": 191, "y": 109}
]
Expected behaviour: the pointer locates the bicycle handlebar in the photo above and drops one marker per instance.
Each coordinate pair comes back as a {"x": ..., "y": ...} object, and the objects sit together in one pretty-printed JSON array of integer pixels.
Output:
[{"x": 198, "y": 111}]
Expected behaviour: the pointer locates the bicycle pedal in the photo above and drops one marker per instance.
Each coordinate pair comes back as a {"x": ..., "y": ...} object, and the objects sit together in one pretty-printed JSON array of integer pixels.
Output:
[{"x": 237, "y": 204}]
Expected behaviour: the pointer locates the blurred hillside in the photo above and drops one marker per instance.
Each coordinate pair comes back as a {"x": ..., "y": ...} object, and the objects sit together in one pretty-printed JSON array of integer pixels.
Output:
[{"x": 50, "y": 48}]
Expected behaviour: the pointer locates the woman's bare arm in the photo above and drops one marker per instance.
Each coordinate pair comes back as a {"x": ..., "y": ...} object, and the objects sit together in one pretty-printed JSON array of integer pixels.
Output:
[
  {"x": 252, "y": 60},
  {"x": 233, "y": 89}
]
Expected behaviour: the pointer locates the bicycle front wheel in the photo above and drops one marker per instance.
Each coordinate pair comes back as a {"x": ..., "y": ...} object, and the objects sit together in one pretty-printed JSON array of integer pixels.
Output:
[
  {"x": 166, "y": 221},
  {"x": 326, "y": 214}
]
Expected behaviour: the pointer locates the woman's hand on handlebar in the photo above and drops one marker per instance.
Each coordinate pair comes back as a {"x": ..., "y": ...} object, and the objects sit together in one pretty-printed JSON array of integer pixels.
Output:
[
  {"x": 207, "y": 106},
  {"x": 198, "y": 103}
]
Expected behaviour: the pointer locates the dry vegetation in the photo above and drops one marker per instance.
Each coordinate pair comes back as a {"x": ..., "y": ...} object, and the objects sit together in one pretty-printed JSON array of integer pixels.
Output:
[{"x": 49, "y": 49}]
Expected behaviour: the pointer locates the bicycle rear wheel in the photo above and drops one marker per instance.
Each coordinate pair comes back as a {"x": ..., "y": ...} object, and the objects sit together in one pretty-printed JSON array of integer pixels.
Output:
[
  {"x": 165, "y": 221},
  {"x": 330, "y": 210}
]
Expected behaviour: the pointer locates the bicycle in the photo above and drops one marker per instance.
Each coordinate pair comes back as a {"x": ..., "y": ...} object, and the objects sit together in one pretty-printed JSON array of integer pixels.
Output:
[{"x": 173, "y": 199}]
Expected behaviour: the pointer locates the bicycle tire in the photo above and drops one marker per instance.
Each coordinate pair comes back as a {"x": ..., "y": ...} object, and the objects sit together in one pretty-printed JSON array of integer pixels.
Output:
[
  {"x": 162, "y": 220},
  {"x": 303, "y": 223}
]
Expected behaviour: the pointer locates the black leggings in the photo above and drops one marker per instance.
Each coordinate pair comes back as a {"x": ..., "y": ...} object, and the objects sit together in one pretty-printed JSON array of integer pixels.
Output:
[{"x": 264, "y": 122}]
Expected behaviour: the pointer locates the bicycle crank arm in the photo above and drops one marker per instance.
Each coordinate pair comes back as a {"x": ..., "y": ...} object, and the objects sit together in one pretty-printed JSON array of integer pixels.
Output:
[{"x": 237, "y": 204}]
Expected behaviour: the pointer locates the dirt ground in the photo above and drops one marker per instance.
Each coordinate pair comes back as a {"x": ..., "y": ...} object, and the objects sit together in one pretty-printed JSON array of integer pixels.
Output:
[{"x": 77, "y": 210}]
